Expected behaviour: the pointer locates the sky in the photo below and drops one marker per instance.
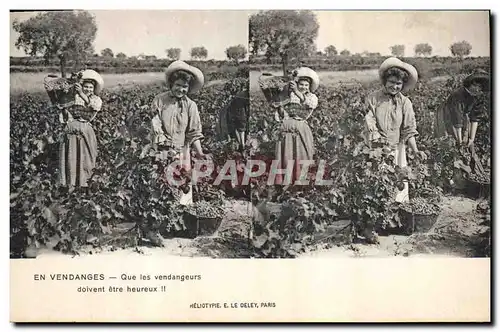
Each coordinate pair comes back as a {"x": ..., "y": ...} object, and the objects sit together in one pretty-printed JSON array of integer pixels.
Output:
[
  {"x": 373, "y": 31},
  {"x": 151, "y": 32}
]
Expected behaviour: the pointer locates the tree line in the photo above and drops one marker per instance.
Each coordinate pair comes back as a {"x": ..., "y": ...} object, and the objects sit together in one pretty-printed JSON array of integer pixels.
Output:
[
  {"x": 234, "y": 53},
  {"x": 269, "y": 37},
  {"x": 69, "y": 36}
]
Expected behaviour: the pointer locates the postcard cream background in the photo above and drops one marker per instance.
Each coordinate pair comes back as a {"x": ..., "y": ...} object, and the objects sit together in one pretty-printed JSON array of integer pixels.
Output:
[
  {"x": 320, "y": 290},
  {"x": 366, "y": 289}
]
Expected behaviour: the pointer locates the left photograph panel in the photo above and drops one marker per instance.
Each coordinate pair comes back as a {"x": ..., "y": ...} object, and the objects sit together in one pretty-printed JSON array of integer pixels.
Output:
[{"x": 127, "y": 132}]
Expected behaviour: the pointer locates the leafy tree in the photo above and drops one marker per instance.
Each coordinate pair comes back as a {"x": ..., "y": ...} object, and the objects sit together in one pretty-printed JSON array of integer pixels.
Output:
[
  {"x": 345, "y": 53},
  {"x": 397, "y": 50},
  {"x": 461, "y": 49},
  {"x": 199, "y": 52},
  {"x": 173, "y": 53},
  {"x": 107, "y": 53},
  {"x": 286, "y": 34},
  {"x": 423, "y": 49},
  {"x": 236, "y": 53},
  {"x": 330, "y": 51},
  {"x": 121, "y": 55},
  {"x": 60, "y": 34}
]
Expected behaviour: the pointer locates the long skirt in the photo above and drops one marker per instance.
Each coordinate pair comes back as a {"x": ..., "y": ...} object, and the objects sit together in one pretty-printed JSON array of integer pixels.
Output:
[
  {"x": 77, "y": 154},
  {"x": 184, "y": 157},
  {"x": 400, "y": 157},
  {"x": 296, "y": 144},
  {"x": 443, "y": 125}
]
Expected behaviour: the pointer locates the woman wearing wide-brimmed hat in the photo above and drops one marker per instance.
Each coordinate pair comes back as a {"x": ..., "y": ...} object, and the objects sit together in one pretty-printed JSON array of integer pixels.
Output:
[
  {"x": 462, "y": 111},
  {"x": 78, "y": 149},
  {"x": 234, "y": 117},
  {"x": 390, "y": 118},
  {"x": 176, "y": 122},
  {"x": 296, "y": 140}
]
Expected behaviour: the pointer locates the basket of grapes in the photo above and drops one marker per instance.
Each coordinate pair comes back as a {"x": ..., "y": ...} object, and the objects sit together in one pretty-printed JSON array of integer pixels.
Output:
[
  {"x": 275, "y": 89},
  {"x": 418, "y": 215},
  {"x": 478, "y": 185},
  {"x": 203, "y": 218},
  {"x": 60, "y": 90}
]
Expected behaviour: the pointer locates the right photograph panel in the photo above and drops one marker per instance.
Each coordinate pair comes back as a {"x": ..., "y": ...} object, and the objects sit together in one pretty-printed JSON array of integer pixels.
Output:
[{"x": 369, "y": 133}]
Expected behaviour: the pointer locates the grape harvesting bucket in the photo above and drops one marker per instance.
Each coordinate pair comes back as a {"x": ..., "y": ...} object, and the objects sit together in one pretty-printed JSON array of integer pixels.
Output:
[
  {"x": 60, "y": 90},
  {"x": 417, "y": 223},
  {"x": 475, "y": 189},
  {"x": 478, "y": 183},
  {"x": 199, "y": 226},
  {"x": 275, "y": 89}
]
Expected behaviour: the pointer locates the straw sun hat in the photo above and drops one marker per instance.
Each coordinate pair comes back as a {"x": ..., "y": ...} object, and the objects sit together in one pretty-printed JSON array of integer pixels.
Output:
[
  {"x": 311, "y": 74},
  {"x": 199, "y": 79},
  {"x": 478, "y": 76},
  {"x": 395, "y": 62},
  {"x": 90, "y": 74}
]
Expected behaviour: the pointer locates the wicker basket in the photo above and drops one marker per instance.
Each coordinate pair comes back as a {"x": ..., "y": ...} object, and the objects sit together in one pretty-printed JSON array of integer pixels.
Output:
[
  {"x": 198, "y": 226},
  {"x": 61, "y": 91},
  {"x": 208, "y": 226},
  {"x": 476, "y": 190},
  {"x": 417, "y": 223},
  {"x": 275, "y": 89}
]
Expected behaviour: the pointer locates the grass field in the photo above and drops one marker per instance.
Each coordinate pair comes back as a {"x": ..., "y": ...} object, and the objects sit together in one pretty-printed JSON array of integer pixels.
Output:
[
  {"x": 33, "y": 82},
  {"x": 326, "y": 77}
]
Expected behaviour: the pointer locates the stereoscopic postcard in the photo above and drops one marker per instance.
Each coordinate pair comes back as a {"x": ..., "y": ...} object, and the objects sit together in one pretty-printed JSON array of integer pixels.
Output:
[{"x": 250, "y": 166}]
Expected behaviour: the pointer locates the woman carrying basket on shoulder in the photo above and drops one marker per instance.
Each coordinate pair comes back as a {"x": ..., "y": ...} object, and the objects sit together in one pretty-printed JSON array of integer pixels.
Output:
[
  {"x": 78, "y": 148},
  {"x": 295, "y": 144}
]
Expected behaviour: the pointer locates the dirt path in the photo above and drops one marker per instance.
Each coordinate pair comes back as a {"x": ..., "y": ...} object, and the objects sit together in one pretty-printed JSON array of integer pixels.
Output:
[
  {"x": 230, "y": 240},
  {"x": 454, "y": 234}
]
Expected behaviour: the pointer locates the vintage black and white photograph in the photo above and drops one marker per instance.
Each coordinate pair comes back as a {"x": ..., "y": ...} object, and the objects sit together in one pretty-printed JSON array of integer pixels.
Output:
[
  {"x": 392, "y": 110},
  {"x": 392, "y": 133},
  {"x": 102, "y": 104},
  {"x": 248, "y": 165}
]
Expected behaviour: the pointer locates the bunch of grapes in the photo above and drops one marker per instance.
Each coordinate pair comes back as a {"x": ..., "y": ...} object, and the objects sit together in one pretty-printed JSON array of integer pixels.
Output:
[
  {"x": 420, "y": 206},
  {"x": 63, "y": 84},
  {"x": 272, "y": 82},
  {"x": 205, "y": 209},
  {"x": 61, "y": 91},
  {"x": 482, "y": 178},
  {"x": 60, "y": 84},
  {"x": 274, "y": 88}
]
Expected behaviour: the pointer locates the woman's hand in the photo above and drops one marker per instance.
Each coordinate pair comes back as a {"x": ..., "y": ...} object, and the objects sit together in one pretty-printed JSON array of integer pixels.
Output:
[
  {"x": 78, "y": 88},
  {"x": 421, "y": 155},
  {"x": 277, "y": 117},
  {"x": 468, "y": 143},
  {"x": 293, "y": 86},
  {"x": 203, "y": 156},
  {"x": 200, "y": 154}
]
